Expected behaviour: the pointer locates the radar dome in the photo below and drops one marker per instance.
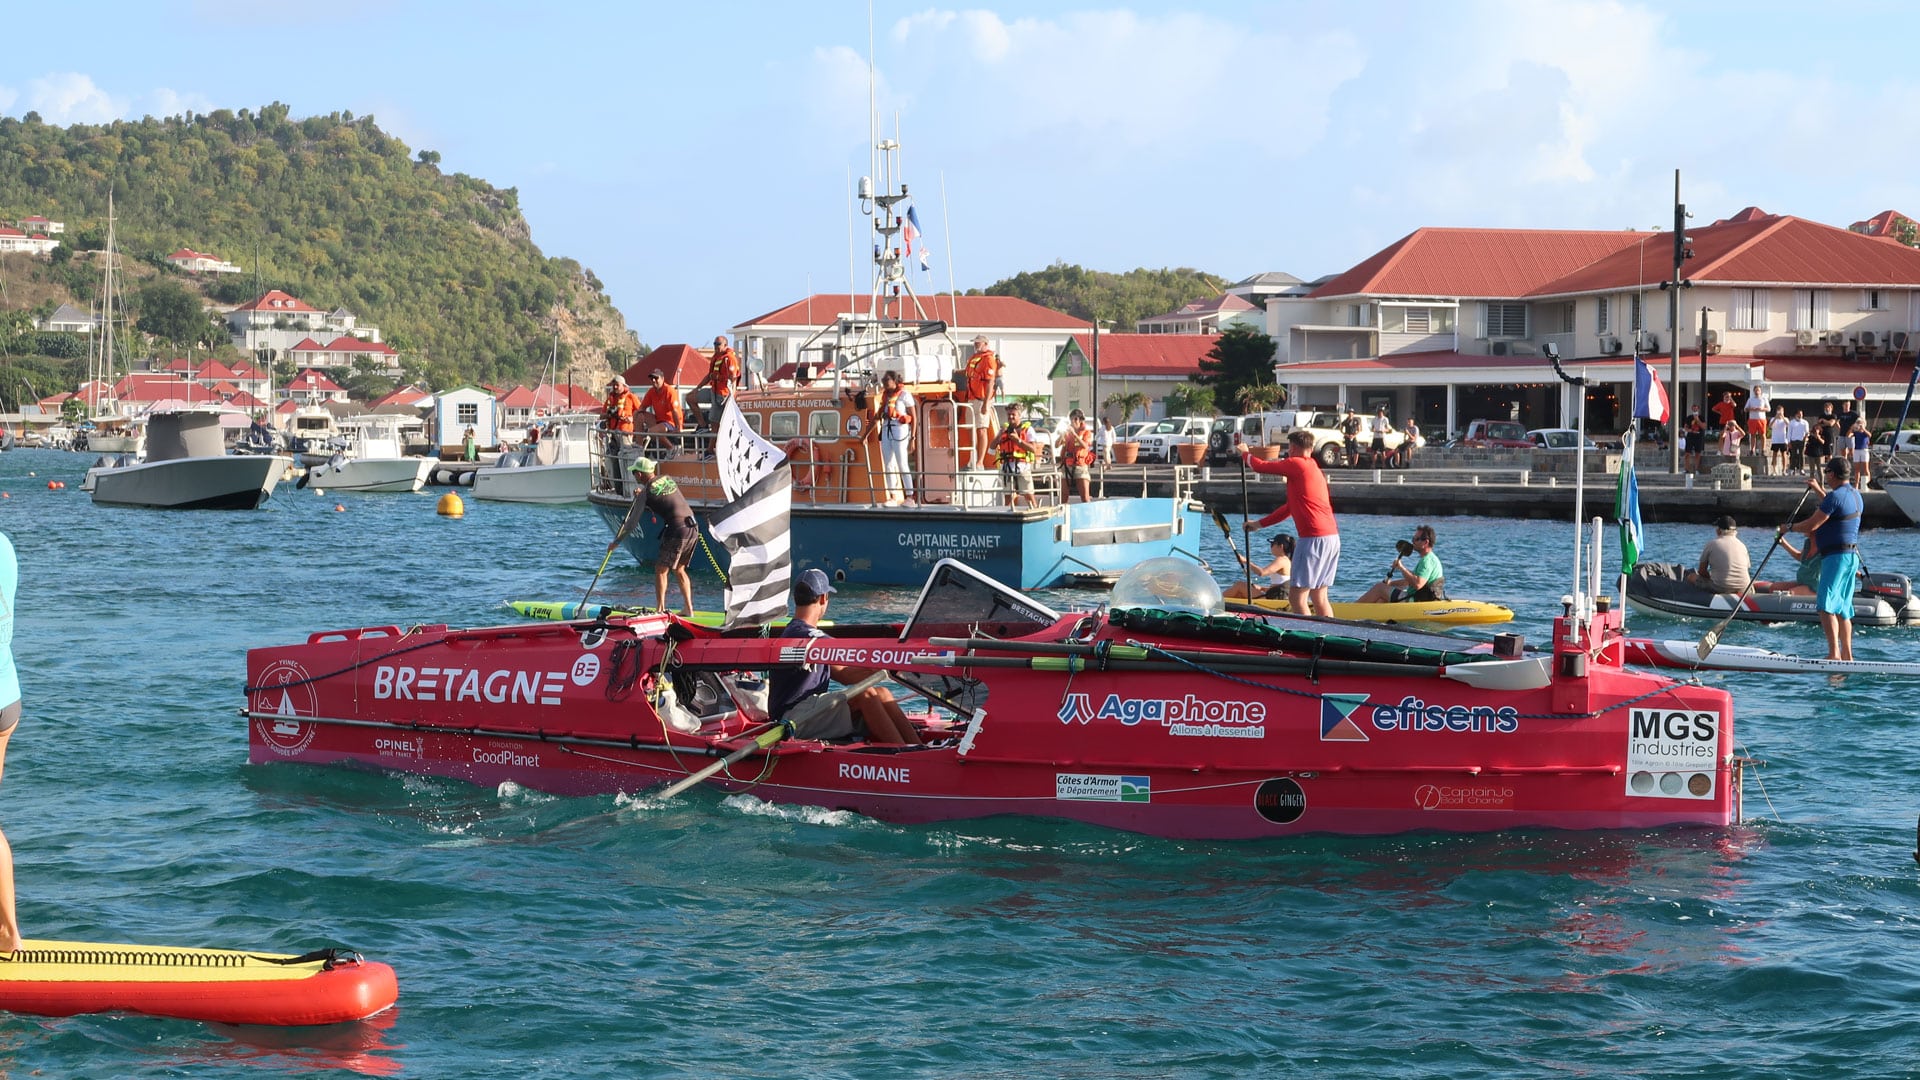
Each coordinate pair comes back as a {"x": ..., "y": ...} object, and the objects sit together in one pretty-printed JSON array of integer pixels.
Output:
[{"x": 1170, "y": 584}]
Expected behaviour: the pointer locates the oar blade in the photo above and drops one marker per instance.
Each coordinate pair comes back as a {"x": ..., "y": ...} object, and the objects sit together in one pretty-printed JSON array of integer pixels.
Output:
[{"x": 1708, "y": 642}]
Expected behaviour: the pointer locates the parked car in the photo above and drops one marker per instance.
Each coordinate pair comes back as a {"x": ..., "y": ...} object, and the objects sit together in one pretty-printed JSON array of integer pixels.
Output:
[
  {"x": 1132, "y": 430},
  {"x": 1558, "y": 438},
  {"x": 1252, "y": 430},
  {"x": 1496, "y": 434},
  {"x": 1884, "y": 445},
  {"x": 1158, "y": 443}
]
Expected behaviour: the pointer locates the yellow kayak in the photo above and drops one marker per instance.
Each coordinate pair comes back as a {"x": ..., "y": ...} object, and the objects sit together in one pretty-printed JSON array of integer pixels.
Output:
[{"x": 1433, "y": 612}]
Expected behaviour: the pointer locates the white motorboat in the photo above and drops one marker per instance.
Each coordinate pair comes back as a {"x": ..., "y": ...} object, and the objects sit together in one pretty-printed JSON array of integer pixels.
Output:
[
  {"x": 370, "y": 460},
  {"x": 187, "y": 468},
  {"x": 553, "y": 470},
  {"x": 1905, "y": 491},
  {"x": 314, "y": 436}
]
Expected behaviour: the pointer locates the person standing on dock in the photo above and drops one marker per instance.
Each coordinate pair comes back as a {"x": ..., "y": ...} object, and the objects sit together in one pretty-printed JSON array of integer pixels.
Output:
[
  {"x": 1316, "y": 558},
  {"x": 1779, "y": 435},
  {"x": 1377, "y": 459},
  {"x": 678, "y": 531},
  {"x": 1797, "y": 430},
  {"x": 1757, "y": 406},
  {"x": 1824, "y": 443},
  {"x": 1694, "y": 446},
  {"x": 1835, "y": 528},
  {"x": 1862, "y": 441},
  {"x": 9, "y": 721},
  {"x": 1724, "y": 410}
]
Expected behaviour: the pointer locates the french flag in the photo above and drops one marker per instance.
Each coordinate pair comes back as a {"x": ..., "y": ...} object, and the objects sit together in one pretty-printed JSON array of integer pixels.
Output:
[
  {"x": 912, "y": 229},
  {"x": 1649, "y": 397}
]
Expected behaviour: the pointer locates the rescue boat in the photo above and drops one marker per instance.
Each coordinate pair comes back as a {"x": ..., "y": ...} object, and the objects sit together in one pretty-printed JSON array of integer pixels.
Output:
[
  {"x": 1161, "y": 715},
  {"x": 221, "y": 986}
]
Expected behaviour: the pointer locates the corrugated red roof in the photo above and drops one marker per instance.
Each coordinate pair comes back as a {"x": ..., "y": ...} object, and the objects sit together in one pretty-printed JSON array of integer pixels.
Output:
[
  {"x": 565, "y": 396},
  {"x": 1771, "y": 250},
  {"x": 520, "y": 397},
  {"x": 1475, "y": 262},
  {"x": 307, "y": 344},
  {"x": 244, "y": 400},
  {"x": 214, "y": 369},
  {"x": 278, "y": 302},
  {"x": 319, "y": 381},
  {"x": 349, "y": 343},
  {"x": 965, "y": 313},
  {"x": 1176, "y": 355}
]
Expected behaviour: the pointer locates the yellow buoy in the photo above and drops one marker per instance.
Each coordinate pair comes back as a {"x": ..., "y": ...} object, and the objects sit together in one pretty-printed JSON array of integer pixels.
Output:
[{"x": 451, "y": 506}]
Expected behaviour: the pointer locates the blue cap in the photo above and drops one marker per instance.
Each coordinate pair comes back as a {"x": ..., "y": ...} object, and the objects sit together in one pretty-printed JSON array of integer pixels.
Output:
[{"x": 814, "y": 581}]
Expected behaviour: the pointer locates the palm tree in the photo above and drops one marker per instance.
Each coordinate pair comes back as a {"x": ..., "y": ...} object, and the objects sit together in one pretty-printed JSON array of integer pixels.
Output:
[
  {"x": 1188, "y": 400},
  {"x": 1259, "y": 397},
  {"x": 1128, "y": 404}
]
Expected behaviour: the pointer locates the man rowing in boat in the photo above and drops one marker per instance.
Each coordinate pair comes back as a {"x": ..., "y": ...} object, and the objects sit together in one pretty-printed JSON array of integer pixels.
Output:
[
  {"x": 1423, "y": 582},
  {"x": 872, "y": 713}
]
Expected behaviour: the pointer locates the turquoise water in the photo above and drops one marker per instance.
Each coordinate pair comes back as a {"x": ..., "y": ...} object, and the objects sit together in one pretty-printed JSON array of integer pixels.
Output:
[{"x": 721, "y": 937}]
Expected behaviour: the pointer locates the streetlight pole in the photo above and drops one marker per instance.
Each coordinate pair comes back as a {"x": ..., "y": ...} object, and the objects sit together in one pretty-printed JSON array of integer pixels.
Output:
[
  {"x": 1703, "y": 358},
  {"x": 1673, "y": 285},
  {"x": 1098, "y": 409}
]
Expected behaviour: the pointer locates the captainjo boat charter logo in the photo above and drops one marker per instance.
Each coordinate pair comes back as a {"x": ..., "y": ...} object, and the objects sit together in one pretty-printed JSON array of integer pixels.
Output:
[
  {"x": 284, "y": 693},
  {"x": 1188, "y": 715}
]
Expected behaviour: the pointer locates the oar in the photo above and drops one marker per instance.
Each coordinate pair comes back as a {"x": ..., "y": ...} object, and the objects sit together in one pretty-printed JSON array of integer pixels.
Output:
[
  {"x": 1712, "y": 637},
  {"x": 808, "y": 709},
  {"x": 602, "y": 570},
  {"x": 1226, "y": 530}
]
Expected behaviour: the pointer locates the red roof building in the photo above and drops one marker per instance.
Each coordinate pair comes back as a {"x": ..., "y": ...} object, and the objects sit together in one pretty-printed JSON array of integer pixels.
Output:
[
  {"x": 1449, "y": 325},
  {"x": 1149, "y": 364},
  {"x": 683, "y": 365}
]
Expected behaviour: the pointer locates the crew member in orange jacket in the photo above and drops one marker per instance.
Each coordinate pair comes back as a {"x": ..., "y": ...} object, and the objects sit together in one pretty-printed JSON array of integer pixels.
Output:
[
  {"x": 1316, "y": 557},
  {"x": 617, "y": 418},
  {"x": 660, "y": 409},
  {"x": 722, "y": 374},
  {"x": 1076, "y": 455},
  {"x": 983, "y": 382}
]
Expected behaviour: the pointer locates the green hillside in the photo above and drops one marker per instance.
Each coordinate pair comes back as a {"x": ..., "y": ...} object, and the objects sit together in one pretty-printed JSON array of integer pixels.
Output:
[
  {"x": 1119, "y": 299},
  {"x": 335, "y": 211}
]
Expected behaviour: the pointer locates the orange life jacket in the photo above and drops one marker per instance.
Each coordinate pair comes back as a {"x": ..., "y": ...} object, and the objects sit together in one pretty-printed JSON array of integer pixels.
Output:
[
  {"x": 725, "y": 371},
  {"x": 1076, "y": 447},
  {"x": 621, "y": 405},
  {"x": 1015, "y": 443},
  {"x": 982, "y": 368}
]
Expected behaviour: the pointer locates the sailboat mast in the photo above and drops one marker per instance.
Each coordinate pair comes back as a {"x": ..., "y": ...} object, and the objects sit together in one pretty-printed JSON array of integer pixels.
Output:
[{"x": 106, "y": 309}]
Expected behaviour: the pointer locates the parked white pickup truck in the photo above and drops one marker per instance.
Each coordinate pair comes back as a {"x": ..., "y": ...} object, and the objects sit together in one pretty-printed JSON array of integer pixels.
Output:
[{"x": 1158, "y": 441}]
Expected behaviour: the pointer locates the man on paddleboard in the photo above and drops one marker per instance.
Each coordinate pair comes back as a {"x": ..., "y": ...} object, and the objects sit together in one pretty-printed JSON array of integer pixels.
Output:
[
  {"x": 1316, "y": 559},
  {"x": 678, "y": 534},
  {"x": 1835, "y": 527}
]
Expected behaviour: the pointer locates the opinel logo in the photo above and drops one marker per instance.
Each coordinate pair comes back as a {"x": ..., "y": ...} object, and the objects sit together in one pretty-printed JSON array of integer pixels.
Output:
[{"x": 1077, "y": 707}]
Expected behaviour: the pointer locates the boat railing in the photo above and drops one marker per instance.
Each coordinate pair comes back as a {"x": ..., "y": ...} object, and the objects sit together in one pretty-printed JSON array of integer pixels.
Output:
[{"x": 846, "y": 472}]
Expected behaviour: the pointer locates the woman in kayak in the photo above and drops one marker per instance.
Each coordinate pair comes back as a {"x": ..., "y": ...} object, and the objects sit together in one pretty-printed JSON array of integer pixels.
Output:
[{"x": 1276, "y": 571}]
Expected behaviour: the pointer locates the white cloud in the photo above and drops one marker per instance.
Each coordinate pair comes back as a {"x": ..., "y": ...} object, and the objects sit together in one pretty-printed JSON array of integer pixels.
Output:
[{"x": 69, "y": 97}]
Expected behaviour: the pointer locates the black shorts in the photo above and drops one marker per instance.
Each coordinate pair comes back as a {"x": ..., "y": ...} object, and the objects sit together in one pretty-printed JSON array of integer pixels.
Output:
[{"x": 676, "y": 548}]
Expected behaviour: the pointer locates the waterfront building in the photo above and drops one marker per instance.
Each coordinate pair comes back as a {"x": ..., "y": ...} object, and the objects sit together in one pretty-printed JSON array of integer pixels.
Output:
[{"x": 1148, "y": 364}]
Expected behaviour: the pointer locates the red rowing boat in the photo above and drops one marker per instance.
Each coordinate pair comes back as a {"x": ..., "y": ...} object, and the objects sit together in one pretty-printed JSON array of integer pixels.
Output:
[{"x": 1154, "y": 720}]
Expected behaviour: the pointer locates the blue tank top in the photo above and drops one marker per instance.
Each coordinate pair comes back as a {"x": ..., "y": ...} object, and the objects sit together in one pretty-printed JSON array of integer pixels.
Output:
[
  {"x": 1841, "y": 530},
  {"x": 9, "y": 584}
]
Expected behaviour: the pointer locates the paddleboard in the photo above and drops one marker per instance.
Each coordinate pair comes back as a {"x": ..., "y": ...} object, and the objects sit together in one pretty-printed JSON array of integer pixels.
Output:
[
  {"x": 1437, "y": 612},
  {"x": 1686, "y": 654},
  {"x": 570, "y": 610},
  {"x": 221, "y": 986}
]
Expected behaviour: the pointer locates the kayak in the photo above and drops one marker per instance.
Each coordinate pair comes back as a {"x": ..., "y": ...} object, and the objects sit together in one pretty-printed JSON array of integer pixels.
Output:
[
  {"x": 1685, "y": 654},
  {"x": 1436, "y": 612},
  {"x": 1658, "y": 588},
  {"x": 220, "y": 986}
]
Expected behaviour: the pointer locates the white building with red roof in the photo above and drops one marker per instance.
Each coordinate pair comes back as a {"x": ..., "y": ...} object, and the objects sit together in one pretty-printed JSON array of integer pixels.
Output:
[
  {"x": 311, "y": 387},
  {"x": 199, "y": 262},
  {"x": 1450, "y": 325},
  {"x": 33, "y": 243},
  {"x": 38, "y": 224},
  {"x": 278, "y": 321},
  {"x": 340, "y": 354},
  {"x": 1207, "y": 316},
  {"x": 1026, "y": 336},
  {"x": 1149, "y": 364}
]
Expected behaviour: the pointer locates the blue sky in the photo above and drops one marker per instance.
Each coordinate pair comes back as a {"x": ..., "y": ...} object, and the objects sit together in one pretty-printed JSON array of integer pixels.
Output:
[{"x": 696, "y": 156}]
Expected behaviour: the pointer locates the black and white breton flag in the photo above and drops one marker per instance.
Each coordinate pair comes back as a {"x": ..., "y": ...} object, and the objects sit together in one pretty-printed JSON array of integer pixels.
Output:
[{"x": 754, "y": 526}]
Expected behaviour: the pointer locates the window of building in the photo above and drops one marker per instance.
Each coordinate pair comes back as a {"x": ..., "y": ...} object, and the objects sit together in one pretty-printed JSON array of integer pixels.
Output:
[
  {"x": 1749, "y": 310},
  {"x": 467, "y": 413},
  {"x": 1603, "y": 315},
  {"x": 1873, "y": 300},
  {"x": 1810, "y": 309},
  {"x": 1633, "y": 312},
  {"x": 1506, "y": 320},
  {"x": 1558, "y": 318},
  {"x": 1359, "y": 314}
]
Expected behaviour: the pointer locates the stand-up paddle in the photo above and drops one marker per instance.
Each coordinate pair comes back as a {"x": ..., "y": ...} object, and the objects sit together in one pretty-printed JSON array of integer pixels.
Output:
[
  {"x": 1712, "y": 637},
  {"x": 1226, "y": 530},
  {"x": 596, "y": 574},
  {"x": 1246, "y": 520},
  {"x": 773, "y": 733}
]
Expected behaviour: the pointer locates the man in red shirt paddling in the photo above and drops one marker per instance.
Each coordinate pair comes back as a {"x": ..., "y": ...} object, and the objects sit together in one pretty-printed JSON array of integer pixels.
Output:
[{"x": 1316, "y": 556}]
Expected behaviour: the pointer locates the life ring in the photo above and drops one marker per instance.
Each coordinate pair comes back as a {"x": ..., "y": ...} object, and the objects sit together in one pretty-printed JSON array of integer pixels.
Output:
[{"x": 803, "y": 456}]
